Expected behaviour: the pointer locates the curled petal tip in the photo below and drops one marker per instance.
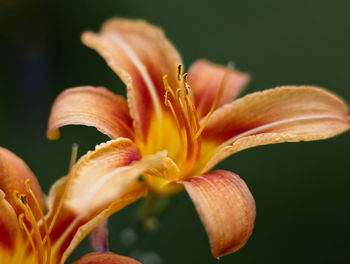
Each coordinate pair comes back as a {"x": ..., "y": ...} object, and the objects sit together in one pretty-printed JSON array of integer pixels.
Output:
[
  {"x": 90, "y": 106},
  {"x": 53, "y": 134}
]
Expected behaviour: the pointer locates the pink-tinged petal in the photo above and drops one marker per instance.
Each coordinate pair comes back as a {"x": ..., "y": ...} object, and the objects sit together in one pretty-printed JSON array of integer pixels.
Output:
[
  {"x": 9, "y": 228},
  {"x": 140, "y": 54},
  {"x": 106, "y": 258},
  {"x": 94, "y": 219},
  {"x": 226, "y": 208},
  {"x": 91, "y": 106},
  {"x": 212, "y": 82},
  {"x": 99, "y": 237},
  {"x": 70, "y": 228},
  {"x": 13, "y": 174},
  {"x": 101, "y": 176},
  {"x": 284, "y": 114},
  {"x": 102, "y": 182},
  {"x": 91, "y": 180}
]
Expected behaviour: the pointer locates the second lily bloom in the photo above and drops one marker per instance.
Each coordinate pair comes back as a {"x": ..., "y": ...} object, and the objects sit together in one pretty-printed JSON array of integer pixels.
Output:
[{"x": 73, "y": 207}]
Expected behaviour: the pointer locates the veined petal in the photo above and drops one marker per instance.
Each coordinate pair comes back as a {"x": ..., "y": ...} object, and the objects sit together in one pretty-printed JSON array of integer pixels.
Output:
[
  {"x": 91, "y": 106},
  {"x": 70, "y": 228},
  {"x": 91, "y": 180},
  {"x": 91, "y": 221},
  {"x": 13, "y": 174},
  {"x": 103, "y": 175},
  {"x": 102, "y": 182},
  {"x": 106, "y": 258},
  {"x": 140, "y": 54},
  {"x": 284, "y": 114},
  {"x": 73, "y": 214},
  {"x": 226, "y": 208},
  {"x": 9, "y": 228},
  {"x": 212, "y": 82}
]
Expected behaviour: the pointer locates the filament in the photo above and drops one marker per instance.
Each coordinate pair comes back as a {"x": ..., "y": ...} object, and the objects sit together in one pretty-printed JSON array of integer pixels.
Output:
[
  {"x": 47, "y": 236},
  {"x": 22, "y": 202},
  {"x": 26, "y": 231}
]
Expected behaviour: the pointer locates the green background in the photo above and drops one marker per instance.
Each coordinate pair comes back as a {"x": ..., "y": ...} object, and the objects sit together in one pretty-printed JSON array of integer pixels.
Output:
[{"x": 301, "y": 190}]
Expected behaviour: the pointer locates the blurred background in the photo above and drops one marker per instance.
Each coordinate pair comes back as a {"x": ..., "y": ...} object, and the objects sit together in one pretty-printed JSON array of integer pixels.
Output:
[{"x": 301, "y": 190}]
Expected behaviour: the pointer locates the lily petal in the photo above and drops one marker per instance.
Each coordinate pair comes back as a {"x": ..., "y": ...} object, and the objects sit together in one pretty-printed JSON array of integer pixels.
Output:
[
  {"x": 101, "y": 176},
  {"x": 9, "y": 228},
  {"x": 140, "y": 54},
  {"x": 226, "y": 208},
  {"x": 105, "y": 258},
  {"x": 283, "y": 114},
  {"x": 69, "y": 229},
  {"x": 102, "y": 182},
  {"x": 91, "y": 106},
  {"x": 13, "y": 174},
  {"x": 98, "y": 237},
  {"x": 212, "y": 82},
  {"x": 93, "y": 220}
]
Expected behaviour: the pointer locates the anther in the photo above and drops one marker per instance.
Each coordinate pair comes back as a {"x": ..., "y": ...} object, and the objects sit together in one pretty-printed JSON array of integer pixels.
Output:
[
  {"x": 165, "y": 82},
  {"x": 179, "y": 70},
  {"x": 184, "y": 83},
  {"x": 23, "y": 198},
  {"x": 16, "y": 195},
  {"x": 27, "y": 183}
]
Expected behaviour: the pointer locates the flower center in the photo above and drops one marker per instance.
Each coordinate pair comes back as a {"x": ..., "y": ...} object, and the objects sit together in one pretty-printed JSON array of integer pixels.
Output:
[
  {"x": 179, "y": 132},
  {"x": 186, "y": 117}
]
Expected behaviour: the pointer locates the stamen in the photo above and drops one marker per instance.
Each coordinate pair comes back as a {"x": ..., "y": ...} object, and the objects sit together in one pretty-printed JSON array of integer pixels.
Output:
[
  {"x": 178, "y": 93},
  {"x": 183, "y": 142},
  {"x": 23, "y": 199},
  {"x": 26, "y": 231},
  {"x": 167, "y": 102},
  {"x": 22, "y": 202},
  {"x": 60, "y": 205},
  {"x": 47, "y": 234},
  {"x": 216, "y": 101},
  {"x": 166, "y": 98},
  {"x": 192, "y": 108},
  {"x": 206, "y": 119},
  {"x": 186, "y": 118},
  {"x": 179, "y": 70},
  {"x": 185, "y": 113},
  {"x": 199, "y": 132},
  {"x": 166, "y": 85},
  {"x": 184, "y": 82}
]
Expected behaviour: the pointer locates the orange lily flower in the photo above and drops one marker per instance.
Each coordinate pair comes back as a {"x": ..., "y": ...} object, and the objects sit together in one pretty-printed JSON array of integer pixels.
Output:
[
  {"x": 99, "y": 184},
  {"x": 192, "y": 116}
]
